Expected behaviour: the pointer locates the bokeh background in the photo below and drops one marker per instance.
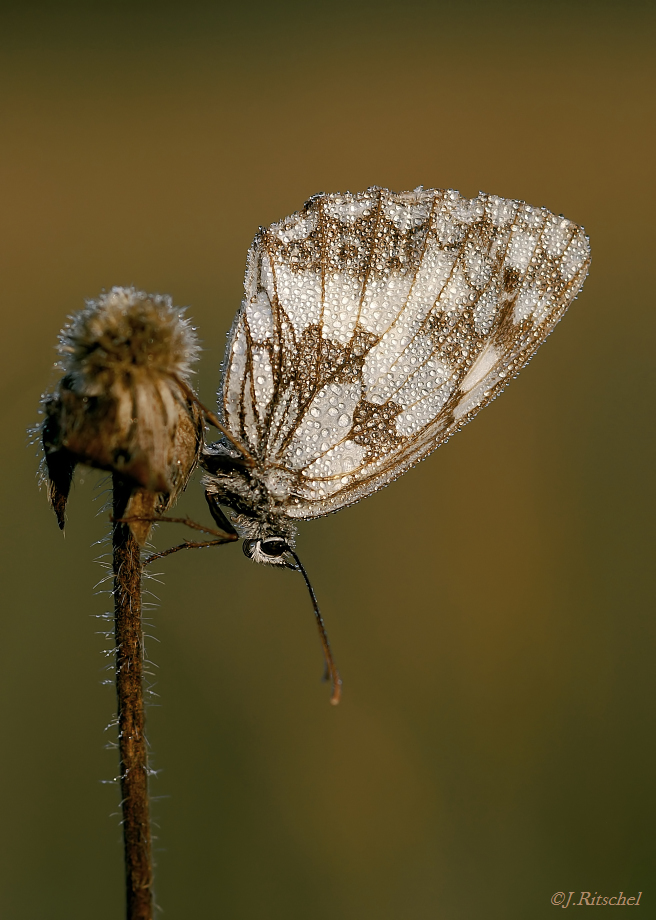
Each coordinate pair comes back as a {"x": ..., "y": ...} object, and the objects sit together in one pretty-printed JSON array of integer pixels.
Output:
[{"x": 491, "y": 612}]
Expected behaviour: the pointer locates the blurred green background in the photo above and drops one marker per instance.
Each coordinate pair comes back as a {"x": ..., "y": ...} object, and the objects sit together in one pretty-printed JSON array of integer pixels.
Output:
[{"x": 491, "y": 612}]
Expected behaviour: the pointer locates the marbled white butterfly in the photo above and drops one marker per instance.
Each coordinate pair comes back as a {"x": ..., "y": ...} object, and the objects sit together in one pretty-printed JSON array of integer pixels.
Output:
[{"x": 373, "y": 327}]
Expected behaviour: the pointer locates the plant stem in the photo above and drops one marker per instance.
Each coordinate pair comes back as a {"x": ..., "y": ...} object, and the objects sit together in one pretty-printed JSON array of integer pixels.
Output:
[{"x": 131, "y": 733}]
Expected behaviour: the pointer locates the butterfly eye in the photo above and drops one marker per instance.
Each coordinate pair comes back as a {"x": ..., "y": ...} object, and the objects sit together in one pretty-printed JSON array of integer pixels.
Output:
[{"x": 274, "y": 547}]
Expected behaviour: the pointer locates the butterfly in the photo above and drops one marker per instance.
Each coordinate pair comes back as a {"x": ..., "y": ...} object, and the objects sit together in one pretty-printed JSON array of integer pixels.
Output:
[{"x": 374, "y": 325}]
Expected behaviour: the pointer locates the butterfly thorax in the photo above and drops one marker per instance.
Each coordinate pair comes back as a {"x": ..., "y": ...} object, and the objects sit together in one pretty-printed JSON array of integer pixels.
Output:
[{"x": 256, "y": 496}]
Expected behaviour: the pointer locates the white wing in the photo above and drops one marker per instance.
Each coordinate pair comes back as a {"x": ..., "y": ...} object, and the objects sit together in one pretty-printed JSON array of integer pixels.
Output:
[{"x": 375, "y": 325}]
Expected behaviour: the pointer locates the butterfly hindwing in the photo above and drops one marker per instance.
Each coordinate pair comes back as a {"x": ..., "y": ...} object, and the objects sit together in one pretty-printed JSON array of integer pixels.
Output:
[{"x": 375, "y": 325}]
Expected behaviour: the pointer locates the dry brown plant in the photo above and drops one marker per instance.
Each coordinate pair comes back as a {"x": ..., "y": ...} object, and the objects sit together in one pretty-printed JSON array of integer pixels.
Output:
[{"x": 123, "y": 403}]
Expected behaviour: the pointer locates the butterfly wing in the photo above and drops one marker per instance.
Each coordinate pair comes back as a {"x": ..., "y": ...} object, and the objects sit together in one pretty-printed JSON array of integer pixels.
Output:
[{"x": 375, "y": 325}]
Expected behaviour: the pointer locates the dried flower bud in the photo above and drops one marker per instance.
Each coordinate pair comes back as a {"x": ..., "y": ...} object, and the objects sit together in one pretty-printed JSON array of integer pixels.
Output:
[{"x": 123, "y": 403}]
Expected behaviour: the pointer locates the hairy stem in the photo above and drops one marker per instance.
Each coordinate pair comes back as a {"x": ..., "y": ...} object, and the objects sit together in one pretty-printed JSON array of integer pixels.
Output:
[{"x": 131, "y": 734}]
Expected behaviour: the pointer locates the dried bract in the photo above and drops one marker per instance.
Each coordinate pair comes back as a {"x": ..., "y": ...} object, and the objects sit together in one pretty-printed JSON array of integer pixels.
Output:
[{"x": 124, "y": 403}]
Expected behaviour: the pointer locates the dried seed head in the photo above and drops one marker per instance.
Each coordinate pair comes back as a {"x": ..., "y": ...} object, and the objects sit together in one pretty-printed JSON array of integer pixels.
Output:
[
  {"x": 126, "y": 332},
  {"x": 123, "y": 403}
]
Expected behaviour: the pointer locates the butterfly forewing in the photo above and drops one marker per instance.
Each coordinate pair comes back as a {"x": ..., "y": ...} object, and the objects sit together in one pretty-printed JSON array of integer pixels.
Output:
[{"x": 374, "y": 325}]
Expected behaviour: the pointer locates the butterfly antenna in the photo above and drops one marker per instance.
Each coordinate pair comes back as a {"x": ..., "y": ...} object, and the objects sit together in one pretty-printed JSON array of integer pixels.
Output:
[{"x": 331, "y": 668}]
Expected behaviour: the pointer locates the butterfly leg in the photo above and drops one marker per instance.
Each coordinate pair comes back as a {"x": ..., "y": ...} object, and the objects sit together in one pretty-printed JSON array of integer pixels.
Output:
[
  {"x": 218, "y": 514},
  {"x": 227, "y": 535},
  {"x": 188, "y": 544}
]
